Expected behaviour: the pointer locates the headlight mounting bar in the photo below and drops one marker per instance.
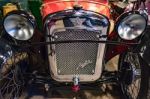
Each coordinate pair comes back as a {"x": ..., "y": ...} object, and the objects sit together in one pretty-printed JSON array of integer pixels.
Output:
[{"x": 75, "y": 41}]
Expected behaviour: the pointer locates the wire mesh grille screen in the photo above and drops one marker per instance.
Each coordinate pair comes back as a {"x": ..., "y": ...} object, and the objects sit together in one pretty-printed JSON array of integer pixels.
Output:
[{"x": 76, "y": 58}]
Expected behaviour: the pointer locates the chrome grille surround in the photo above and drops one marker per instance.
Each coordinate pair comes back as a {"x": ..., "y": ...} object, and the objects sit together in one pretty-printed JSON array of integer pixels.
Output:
[{"x": 80, "y": 59}]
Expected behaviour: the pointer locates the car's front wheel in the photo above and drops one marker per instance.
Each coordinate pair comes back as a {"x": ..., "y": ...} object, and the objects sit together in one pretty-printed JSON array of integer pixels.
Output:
[{"x": 133, "y": 76}]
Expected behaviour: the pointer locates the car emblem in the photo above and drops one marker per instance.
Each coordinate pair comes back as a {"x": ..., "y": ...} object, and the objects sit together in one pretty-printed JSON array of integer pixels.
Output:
[
  {"x": 84, "y": 64},
  {"x": 77, "y": 21}
]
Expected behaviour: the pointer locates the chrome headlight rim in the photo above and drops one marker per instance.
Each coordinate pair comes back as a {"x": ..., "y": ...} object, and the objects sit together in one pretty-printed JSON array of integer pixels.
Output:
[
  {"x": 24, "y": 14},
  {"x": 126, "y": 14}
]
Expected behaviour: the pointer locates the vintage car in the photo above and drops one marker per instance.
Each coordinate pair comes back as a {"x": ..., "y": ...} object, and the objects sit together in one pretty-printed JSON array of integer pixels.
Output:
[{"x": 78, "y": 38}]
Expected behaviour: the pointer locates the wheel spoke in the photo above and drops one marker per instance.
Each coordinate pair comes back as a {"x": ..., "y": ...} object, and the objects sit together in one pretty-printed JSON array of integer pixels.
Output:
[
  {"x": 132, "y": 75},
  {"x": 10, "y": 88}
]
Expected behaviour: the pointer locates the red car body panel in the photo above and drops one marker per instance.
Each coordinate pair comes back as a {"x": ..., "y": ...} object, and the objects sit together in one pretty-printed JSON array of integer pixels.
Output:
[{"x": 99, "y": 6}]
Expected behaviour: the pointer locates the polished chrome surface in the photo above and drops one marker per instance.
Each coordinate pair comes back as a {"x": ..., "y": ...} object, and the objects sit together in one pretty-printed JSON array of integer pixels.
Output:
[
  {"x": 18, "y": 27},
  {"x": 131, "y": 26},
  {"x": 5, "y": 53},
  {"x": 76, "y": 80}
]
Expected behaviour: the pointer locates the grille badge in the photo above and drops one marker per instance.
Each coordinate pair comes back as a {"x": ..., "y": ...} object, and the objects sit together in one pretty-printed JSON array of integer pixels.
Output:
[
  {"x": 77, "y": 21},
  {"x": 82, "y": 65}
]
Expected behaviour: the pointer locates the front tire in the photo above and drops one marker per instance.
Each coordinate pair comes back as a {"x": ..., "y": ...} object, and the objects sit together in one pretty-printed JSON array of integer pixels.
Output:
[{"x": 133, "y": 76}]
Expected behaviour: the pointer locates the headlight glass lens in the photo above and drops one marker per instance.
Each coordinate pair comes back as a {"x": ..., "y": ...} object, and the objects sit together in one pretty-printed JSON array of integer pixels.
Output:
[
  {"x": 18, "y": 26},
  {"x": 131, "y": 26}
]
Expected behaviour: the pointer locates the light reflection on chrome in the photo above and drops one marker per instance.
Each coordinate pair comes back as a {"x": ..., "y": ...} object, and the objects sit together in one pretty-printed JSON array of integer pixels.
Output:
[
  {"x": 5, "y": 53},
  {"x": 18, "y": 27}
]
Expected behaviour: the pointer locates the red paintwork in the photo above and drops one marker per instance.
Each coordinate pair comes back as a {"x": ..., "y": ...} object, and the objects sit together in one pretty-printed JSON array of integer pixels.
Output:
[
  {"x": 75, "y": 88},
  {"x": 51, "y": 6},
  {"x": 114, "y": 50},
  {"x": 99, "y": 6},
  {"x": 102, "y": 1}
]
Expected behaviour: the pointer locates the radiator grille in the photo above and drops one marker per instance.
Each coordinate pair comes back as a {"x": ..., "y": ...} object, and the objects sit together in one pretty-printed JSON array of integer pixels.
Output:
[{"x": 76, "y": 58}]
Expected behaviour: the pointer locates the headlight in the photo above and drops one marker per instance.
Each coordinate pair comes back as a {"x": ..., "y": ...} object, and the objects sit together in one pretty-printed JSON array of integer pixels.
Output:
[
  {"x": 131, "y": 25},
  {"x": 19, "y": 25}
]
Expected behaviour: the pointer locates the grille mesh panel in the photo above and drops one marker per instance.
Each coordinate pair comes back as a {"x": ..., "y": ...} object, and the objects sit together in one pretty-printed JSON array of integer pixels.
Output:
[{"x": 76, "y": 58}]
